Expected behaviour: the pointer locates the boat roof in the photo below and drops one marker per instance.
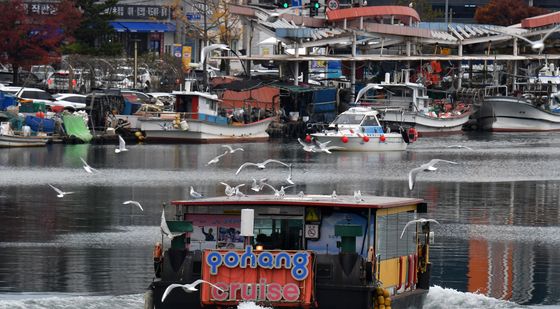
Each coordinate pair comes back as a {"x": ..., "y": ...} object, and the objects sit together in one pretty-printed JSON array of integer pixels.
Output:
[
  {"x": 196, "y": 93},
  {"x": 376, "y": 202}
]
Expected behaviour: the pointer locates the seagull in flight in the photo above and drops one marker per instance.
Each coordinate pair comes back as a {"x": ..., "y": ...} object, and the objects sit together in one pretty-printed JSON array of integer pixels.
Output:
[
  {"x": 195, "y": 194},
  {"x": 88, "y": 168},
  {"x": 537, "y": 45},
  {"x": 428, "y": 167},
  {"x": 134, "y": 203},
  {"x": 189, "y": 288},
  {"x": 122, "y": 145},
  {"x": 262, "y": 165},
  {"x": 217, "y": 158},
  {"x": 231, "y": 191},
  {"x": 324, "y": 148},
  {"x": 421, "y": 220},
  {"x": 258, "y": 186},
  {"x": 306, "y": 147},
  {"x": 231, "y": 150},
  {"x": 459, "y": 146},
  {"x": 279, "y": 193},
  {"x": 60, "y": 192}
]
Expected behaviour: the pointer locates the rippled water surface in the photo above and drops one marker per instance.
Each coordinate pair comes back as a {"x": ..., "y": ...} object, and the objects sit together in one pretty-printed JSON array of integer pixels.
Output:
[{"x": 498, "y": 244}]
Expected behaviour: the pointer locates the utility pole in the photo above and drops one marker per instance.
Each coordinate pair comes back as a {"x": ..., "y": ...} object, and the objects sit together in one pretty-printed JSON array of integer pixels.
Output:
[
  {"x": 204, "y": 66},
  {"x": 135, "y": 62}
]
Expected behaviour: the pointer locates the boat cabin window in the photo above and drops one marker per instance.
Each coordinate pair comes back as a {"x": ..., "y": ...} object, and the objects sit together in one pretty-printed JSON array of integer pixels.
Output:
[
  {"x": 349, "y": 119},
  {"x": 184, "y": 104},
  {"x": 370, "y": 121},
  {"x": 220, "y": 227},
  {"x": 389, "y": 229}
]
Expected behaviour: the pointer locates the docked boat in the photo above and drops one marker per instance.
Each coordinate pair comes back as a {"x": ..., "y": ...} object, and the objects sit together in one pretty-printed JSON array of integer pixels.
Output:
[
  {"x": 199, "y": 117},
  {"x": 9, "y": 138},
  {"x": 359, "y": 129},
  {"x": 533, "y": 110},
  {"x": 407, "y": 104},
  {"x": 305, "y": 251}
]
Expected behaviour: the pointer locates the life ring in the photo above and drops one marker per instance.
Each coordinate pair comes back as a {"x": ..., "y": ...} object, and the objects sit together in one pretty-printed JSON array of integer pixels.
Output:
[{"x": 412, "y": 135}]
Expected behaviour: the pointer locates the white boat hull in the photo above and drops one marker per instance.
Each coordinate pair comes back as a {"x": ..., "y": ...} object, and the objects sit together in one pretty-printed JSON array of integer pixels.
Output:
[
  {"x": 512, "y": 114},
  {"x": 426, "y": 125},
  {"x": 203, "y": 131},
  {"x": 393, "y": 142},
  {"x": 22, "y": 141}
]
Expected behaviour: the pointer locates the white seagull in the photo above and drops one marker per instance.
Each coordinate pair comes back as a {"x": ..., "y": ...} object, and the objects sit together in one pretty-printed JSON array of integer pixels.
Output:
[
  {"x": 333, "y": 195},
  {"x": 195, "y": 194},
  {"x": 217, "y": 158},
  {"x": 134, "y": 203},
  {"x": 459, "y": 146},
  {"x": 424, "y": 167},
  {"x": 324, "y": 148},
  {"x": 306, "y": 147},
  {"x": 537, "y": 45},
  {"x": 122, "y": 145},
  {"x": 262, "y": 165},
  {"x": 231, "y": 191},
  {"x": 258, "y": 186},
  {"x": 421, "y": 220},
  {"x": 88, "y": 168},
  {"x": 358, "y": 196},
  {"x": 60, "y": 192},
  {"x": 189, "y": 287},
  {"x": 278, "y": 193},
  {"x": 231, "y": 150}
]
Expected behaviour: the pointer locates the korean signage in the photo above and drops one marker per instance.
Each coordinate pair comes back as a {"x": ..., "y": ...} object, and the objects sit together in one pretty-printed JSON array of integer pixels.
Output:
[
  {"x": 187, "y": 54},
  {"x": 140, "y": 11},
  {"x": 275, "y": 277},
  {"x": 37, "y": 8}
]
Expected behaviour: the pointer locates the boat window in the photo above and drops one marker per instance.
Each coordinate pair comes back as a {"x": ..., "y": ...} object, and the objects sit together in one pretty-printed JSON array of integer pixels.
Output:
[
  {"x": 274, "y": 233},
  {"x": 370, "y": 121},
  {"x": 389, "y": 229},
  {"x": 349, "y": 119}
]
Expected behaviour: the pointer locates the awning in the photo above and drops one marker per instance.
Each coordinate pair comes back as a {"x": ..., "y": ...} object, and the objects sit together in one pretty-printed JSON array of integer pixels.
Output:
[{"x": 121, "y": 26}]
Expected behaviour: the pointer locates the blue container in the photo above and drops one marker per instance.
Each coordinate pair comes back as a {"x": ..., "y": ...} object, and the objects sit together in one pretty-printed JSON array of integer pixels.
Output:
[
  {"x": 6, "y": 100},
  {"x": 40, "y": 124}
]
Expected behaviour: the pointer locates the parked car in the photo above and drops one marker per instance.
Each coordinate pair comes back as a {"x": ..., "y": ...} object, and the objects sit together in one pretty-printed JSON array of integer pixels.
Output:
[
  {"x": 43, "y": 72},
  {"x": 28, "y": 79},
  {"x": 60, "y": 82},
  {"x": 70, "y": 100}
]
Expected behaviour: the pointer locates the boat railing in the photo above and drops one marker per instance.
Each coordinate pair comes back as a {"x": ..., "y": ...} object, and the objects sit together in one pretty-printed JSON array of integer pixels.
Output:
[{"x": 500, "y": 90}]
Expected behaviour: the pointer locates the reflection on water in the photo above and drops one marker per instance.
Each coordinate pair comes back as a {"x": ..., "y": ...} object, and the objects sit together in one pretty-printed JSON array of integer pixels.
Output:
[{"x": 499, "y": 210}]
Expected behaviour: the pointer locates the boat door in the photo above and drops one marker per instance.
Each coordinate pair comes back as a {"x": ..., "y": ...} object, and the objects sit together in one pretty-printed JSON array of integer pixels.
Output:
[{"x": 188, "y": 104}]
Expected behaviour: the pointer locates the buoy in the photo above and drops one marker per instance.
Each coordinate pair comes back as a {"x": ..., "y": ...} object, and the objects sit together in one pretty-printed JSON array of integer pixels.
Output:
[
  {"x": 137, "y": 133},
  {"x": 382, "y": 138},
  {"x": 308, "y": 138},
  {"x": 344, "y": 139},
  {"x": 40, "y": 114},
  {"x": 366, "y": 138}
]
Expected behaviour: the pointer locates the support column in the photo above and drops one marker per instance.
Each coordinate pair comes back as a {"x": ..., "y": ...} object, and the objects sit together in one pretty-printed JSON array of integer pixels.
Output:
[
  {"x": 296, "y": 64},
  {"x": 515, "y": 47},
  {"x": 514, "y": 83},
  {"x": 408, "y": 48},
  {"x": 353, "y": 72}
]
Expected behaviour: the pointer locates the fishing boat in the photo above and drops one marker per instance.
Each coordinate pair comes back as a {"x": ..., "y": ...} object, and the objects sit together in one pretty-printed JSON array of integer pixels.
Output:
[
  {"x": 199, "y": 117},
  {"x": 359, "y": 129},
  {"x": 537, "y": 108},
  {"x": 304, "y": 251},
  {"x": 9, "y": 138},
  {"x": 407, "y": 104}
]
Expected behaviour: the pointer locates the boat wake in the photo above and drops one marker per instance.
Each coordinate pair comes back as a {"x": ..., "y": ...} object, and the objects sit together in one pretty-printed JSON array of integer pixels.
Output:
[{"x": 437, "y": 298}]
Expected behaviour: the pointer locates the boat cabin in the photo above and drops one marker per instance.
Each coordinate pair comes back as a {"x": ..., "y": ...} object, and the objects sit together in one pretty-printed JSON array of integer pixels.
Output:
[
  {"x": 198, "y": 105},
  {"x": 362, "y": 119},
  {"x": 311, "y": 251}
]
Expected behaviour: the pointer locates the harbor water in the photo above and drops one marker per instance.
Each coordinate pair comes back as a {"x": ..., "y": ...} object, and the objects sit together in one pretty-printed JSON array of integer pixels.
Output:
[{"x": 497, "y": 244}]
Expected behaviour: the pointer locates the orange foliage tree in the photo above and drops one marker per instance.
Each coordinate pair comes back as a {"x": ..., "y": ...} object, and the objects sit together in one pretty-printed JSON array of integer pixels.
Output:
[{"x": 506, "y": 12}]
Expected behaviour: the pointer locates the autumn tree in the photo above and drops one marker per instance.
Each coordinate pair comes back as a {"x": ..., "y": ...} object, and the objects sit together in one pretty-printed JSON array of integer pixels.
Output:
[
  {"x": 35, "y": 36},
  {"x": 506, "y": 12}
]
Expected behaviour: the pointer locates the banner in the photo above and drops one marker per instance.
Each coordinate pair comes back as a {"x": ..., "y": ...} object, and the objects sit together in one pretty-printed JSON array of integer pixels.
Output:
[
  {"x": 177, "y": 50},
  {"x": 187, "y": 51}
]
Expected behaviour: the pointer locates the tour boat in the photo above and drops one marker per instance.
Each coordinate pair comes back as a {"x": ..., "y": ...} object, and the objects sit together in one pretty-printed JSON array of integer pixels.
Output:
[
  {"x": 300, "y": 251},
  {"x": 359, "y": 129}
]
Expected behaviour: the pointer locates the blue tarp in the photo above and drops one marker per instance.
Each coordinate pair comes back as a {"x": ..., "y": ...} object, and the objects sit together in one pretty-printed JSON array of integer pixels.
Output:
[
  {"x": 121, "y": 26},
  {"x": 6, "y": 100},
  {"x": 40, "y": 124},
  {"x": 324, "y": 100}
]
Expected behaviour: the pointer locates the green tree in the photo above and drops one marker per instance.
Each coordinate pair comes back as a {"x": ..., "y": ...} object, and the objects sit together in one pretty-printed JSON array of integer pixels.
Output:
[
  {"x": 423, "y": 7},
  {"x": 94, "y": 35},
  {"x": 506, "y": 12}
]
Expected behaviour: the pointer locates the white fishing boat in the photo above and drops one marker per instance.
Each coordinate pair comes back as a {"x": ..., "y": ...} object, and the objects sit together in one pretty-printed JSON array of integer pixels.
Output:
[
  {"x": 359, "y": 129},
  {"x": 199, "y": 117},
  {"x": 535, "y": 109},
  {"x": 407, "y": 104}
]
